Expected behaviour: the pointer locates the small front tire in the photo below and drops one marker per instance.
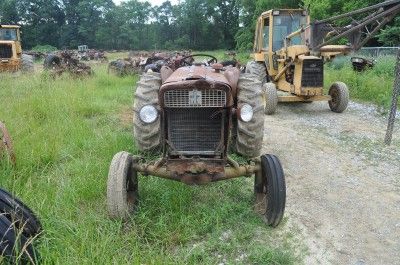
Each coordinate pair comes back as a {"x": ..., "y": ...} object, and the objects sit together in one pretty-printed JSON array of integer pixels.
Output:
[
  {"x": 271, "y": 98},
  {"x": 270, "y": 190},
  {"x": 122, "y": 186},
  {"x": 339, "y": 97}
]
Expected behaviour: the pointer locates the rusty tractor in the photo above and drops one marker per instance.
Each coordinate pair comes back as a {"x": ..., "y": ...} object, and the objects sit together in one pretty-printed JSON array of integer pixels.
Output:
[
  {"x": 6, "y": 146},
  {"x": 11, "y": 57},
  {"x": 191, "y": 118},
  {"x": 66, "y": 61}
]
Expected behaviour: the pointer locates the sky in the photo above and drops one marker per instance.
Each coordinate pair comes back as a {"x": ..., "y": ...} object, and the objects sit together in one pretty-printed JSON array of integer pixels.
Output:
[{"x": 153, "y": 2}]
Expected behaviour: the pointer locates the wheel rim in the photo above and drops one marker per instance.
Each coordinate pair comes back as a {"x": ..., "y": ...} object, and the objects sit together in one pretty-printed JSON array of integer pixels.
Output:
[
  {"x": 334, "y": 97},
  {"x": 131, "y": 187}
]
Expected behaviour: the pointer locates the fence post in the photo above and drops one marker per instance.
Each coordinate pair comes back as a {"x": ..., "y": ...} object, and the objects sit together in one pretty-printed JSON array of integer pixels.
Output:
[{"x": 393, "y": 109}]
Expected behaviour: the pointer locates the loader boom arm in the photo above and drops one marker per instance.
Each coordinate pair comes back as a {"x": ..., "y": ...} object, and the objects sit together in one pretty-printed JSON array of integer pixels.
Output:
[{"x": 360, "y": 30}]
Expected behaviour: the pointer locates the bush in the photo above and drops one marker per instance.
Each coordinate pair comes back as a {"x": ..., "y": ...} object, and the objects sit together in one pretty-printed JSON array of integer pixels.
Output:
[
  {"x": 44, "y": 48},
  {"x": 374, "y": 85}
]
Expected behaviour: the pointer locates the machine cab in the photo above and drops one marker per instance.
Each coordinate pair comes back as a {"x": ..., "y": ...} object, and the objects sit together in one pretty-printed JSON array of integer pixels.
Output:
[
  {"x": 272, "y": 28},
  {"x": 9, "y": 33},
  {"x": 10, "y": 45}
]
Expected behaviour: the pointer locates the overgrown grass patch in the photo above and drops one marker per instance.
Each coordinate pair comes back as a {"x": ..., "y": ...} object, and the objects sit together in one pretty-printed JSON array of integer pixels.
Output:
[
  {"x": 374, "y": 85},
  {"x": 66, "y": 131}
]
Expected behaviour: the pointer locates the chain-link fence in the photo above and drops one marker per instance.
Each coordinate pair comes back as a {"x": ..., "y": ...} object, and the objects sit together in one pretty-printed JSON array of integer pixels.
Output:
[{"x": 375, "y": 52}]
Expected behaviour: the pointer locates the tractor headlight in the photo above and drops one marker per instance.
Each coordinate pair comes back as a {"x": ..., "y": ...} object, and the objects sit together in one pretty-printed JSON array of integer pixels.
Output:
[
  {"x": 148, "y": 114},
  {"x": 246, "y": 112}
]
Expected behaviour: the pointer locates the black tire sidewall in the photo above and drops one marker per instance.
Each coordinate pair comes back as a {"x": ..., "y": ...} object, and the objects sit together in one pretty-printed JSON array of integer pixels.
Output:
[
  {"x": 275, "y": 186},
  {"x": 18, "y": 212}
]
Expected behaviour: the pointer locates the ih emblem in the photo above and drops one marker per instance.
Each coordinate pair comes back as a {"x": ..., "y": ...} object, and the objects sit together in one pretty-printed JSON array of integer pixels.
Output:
[{"x": 195, "y": 97}]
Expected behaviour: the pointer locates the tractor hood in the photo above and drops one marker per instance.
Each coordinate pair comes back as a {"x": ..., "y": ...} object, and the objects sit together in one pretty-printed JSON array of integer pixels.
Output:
[
  {"x": 202, "y": 77},
  {"x": 199, "y": 77}
]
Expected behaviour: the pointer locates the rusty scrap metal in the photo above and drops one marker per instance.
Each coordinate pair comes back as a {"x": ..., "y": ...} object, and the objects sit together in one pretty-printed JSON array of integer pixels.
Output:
[
  {"x": 139, "y": 62},
  {"x": 197, "y": 172},
  {"x": 66, "y": 61},
  {"x": 6, "y": 146},
  {"x": 361, "y": 64}
]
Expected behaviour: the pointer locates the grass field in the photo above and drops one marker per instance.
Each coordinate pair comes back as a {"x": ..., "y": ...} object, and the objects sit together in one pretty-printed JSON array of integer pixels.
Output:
[
  {"x": 374, "y": 85},
  {"x": 66, "y": 132}
]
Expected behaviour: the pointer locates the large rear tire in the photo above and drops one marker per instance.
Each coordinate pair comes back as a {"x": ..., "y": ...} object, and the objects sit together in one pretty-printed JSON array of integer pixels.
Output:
[
  {"x": 258, "y": 69},
  {"x": 270, "y": 190},
  {"x": 147, "y": 136},
  {"x": 122, "y": 186},
  {"x": 27, "y": 63},
  {"x": 249, "y": 135},
  {"x": 340, "y": 97}
]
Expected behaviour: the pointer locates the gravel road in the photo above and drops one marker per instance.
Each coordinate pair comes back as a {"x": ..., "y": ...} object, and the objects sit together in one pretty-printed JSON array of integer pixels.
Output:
[{"x": 343, "y": 184}]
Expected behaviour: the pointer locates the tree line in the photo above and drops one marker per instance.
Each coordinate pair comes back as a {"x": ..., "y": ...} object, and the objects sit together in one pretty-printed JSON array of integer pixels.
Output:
[{"x": 137, "y": 25}]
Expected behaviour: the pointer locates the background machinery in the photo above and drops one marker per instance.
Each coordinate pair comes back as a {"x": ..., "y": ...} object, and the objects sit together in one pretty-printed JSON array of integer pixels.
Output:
[
  {"x": 290, "y": 51},
  {"x": 11, "y": 57}
]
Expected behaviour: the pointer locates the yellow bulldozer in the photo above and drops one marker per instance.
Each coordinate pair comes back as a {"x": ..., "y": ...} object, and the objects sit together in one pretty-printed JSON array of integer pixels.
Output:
[
  {"x": 290, "y": 51},
  {"x": 11, "y": 57}
]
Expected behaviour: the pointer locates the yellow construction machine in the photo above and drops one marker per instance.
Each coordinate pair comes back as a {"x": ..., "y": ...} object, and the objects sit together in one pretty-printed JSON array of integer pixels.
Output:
[
  {"x": 11, "y": 57},
  {"x": 290, "y": 51}
]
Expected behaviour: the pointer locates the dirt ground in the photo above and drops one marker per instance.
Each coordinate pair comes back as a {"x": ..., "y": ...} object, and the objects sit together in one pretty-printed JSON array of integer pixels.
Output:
[{"x": 343, "y": 184}]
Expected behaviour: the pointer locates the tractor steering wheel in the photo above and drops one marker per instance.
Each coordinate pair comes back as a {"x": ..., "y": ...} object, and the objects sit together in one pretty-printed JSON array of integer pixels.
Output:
[{"x": 212, "y": 60}]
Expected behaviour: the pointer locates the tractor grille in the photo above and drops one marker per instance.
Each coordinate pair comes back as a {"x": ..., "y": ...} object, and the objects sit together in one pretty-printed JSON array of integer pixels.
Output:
[
  {"x": 5, "y": 51},
  {"x": 195, "y": 131},
  {"x": 313, "y": 73},
  {"x": 195, "y": 98}
]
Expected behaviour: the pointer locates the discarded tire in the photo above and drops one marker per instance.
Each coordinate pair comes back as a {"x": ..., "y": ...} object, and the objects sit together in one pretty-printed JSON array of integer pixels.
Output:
[
  {"x": 19, "y": 214},
  {"x": 52, "y": 61},
  {"x": 14, "y": 246}
]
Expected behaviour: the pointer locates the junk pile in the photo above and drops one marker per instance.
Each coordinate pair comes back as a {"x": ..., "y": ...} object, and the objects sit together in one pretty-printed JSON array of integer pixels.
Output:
[
  {"x": 139, "y": 62},
  {"x": 66, "y": 61},
  {"x": 361, "y": 64}
]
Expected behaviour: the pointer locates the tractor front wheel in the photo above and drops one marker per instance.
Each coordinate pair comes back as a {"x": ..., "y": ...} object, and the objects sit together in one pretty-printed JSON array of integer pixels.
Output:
[
  {"x": 271, "y": 98},
  {"x": 270, "y": 190},
  {"x": 122, "y": 186},
  {"x": 339, "y": 97}
]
